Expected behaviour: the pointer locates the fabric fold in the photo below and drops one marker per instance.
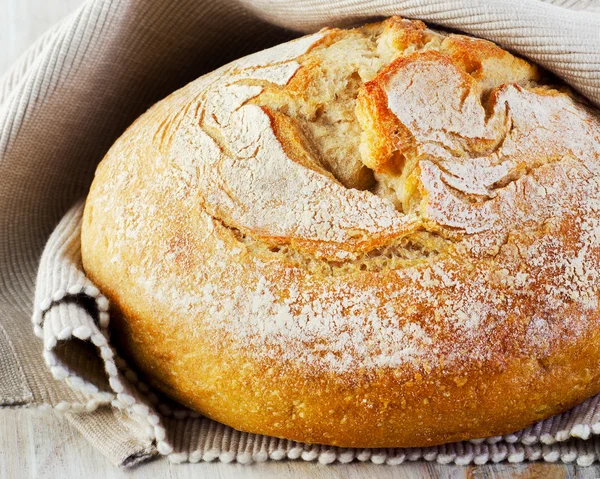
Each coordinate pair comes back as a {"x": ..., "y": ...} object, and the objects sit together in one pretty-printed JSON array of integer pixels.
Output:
[{"x": 71, "y": 316}]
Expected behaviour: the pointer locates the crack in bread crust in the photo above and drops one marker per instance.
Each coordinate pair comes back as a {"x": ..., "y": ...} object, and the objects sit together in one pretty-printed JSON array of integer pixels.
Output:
[{"x": 407, "y": 251}]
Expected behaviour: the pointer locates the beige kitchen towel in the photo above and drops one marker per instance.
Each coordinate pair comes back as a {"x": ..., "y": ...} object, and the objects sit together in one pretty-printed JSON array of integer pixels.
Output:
[{"x": 70, "y": 96}]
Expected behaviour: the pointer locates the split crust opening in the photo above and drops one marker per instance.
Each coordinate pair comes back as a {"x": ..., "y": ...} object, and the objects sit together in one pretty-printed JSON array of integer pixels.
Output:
[{"x": 367, "y": 106}]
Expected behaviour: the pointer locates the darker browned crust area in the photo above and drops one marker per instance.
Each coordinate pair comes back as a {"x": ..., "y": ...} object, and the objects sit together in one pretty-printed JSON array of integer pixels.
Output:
[{"x": 376, "y": 409}]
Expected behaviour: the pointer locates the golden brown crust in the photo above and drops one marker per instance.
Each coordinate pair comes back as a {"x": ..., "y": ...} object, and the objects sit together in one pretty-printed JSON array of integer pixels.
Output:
[{"x": 456, "y": 299}]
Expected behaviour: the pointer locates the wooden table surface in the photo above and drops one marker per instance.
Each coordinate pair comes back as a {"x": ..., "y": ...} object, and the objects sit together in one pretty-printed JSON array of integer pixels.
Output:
[{"x": 35, "y": 445}]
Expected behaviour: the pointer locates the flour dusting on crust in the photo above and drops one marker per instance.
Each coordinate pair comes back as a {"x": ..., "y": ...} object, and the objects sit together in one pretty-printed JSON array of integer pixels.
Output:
[{"x": 469, "y": 154}]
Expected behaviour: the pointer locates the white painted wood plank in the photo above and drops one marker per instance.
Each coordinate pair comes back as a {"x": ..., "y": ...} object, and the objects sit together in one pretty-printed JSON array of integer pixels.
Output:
[
  {"x": 44, "y": 446},
  {"x": 23, "y": 21}
]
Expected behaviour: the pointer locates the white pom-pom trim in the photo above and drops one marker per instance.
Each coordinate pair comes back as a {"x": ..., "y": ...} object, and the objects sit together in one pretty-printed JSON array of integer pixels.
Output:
[
  {"x": 58, "y": 295},
  {"x": 164, "y": 448},
  {"x": 277, "y": 454},
  {"x": 227, "y": 457},
  {"x": 445, "y": 458},
  {"x": 394, "y": 460},
  {"x": 327, "y": 457},
  {"x": 464, "y": 460},
  {"x": 517, "y": 456},
  {"x": 242, "y": 458},
  {"x": 102, "y": 303},
  {"x": 91, "y": 290},
  {"x": 196, "y": 456},
  {"x": 551, "y": 456},
  {"x": 378, "y": 457},
  {"x": 582, "y": 431},
  {"x": 295, "y": 452},
  {"x": 178, "y": 457},
  {"x": 586, "y": 460},
  {"x": 45, "y": 304},
  {"x": 75, "y": 289},
  {"x": 82, "y": 332}
]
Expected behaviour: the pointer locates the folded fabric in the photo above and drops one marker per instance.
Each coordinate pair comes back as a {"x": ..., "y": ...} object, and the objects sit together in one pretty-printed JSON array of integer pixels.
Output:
[{"x": 61, "y": 107}]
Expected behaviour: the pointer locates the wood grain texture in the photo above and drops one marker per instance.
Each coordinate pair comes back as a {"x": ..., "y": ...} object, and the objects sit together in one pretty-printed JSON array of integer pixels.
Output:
[
  {"x": 45, "y": 446},
  {"x": 36, "y": 445}
]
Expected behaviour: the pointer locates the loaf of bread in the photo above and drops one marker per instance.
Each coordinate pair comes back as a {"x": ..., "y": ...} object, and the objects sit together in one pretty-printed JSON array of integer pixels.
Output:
[{"x": 378, "y": 237}]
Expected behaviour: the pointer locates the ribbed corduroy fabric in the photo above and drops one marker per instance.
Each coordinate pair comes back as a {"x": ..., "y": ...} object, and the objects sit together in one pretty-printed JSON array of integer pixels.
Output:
[{"x": 71, "y": 95}]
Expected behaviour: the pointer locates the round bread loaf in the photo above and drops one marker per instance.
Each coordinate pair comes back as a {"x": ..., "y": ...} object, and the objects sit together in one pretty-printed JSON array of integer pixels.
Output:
[{"x": 379, "y": 237}]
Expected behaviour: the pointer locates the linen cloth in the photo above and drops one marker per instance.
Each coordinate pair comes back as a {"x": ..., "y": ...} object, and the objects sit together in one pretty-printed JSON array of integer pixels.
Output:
[{"x": 69, "y": 97}]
